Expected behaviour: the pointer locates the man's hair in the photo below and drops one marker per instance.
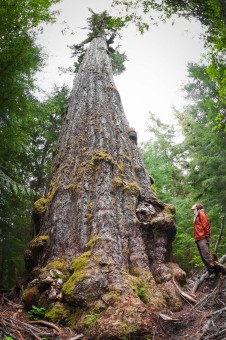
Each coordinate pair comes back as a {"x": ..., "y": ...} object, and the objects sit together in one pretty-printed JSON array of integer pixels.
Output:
[{"x": 199, "y": 206}]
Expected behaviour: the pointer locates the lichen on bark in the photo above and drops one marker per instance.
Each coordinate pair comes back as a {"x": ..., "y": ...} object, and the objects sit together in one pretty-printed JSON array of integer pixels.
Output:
[{"x": 103, "y": 220}]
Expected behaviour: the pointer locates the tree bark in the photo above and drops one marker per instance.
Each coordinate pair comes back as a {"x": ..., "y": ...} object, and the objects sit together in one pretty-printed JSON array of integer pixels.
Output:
[{"x": 103, "y": 227}]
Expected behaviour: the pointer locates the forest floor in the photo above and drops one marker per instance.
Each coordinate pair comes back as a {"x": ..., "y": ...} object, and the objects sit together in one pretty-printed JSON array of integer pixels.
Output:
[{"x": 204, "y": 318}]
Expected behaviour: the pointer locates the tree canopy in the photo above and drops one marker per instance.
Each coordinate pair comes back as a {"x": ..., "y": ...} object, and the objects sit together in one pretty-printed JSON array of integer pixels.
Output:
[
  {"x": 25, "y": 144},
  {"x": 103, "y": 24},
  {"x": 210, "y": 13}
]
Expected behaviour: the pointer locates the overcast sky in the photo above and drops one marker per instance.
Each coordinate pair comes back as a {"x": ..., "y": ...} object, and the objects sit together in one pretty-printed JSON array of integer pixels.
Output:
[{"x": 155, "y": 71}]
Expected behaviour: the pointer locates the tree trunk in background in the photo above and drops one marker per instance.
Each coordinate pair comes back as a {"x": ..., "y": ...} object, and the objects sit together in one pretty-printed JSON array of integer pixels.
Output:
[{"x": 102, "y": 256}]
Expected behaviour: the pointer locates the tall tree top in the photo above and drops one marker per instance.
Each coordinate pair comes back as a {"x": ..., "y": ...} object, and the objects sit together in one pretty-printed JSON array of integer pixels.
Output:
[{"x": 103, "y": 24}]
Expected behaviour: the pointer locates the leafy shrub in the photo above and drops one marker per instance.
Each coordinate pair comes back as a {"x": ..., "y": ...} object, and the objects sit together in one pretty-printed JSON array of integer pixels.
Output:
[{"x": 36, "y": 313}]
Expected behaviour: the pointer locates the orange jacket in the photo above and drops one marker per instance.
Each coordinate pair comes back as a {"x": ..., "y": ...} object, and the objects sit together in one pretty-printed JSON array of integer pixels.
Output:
[{"x": 201, "y": 226}]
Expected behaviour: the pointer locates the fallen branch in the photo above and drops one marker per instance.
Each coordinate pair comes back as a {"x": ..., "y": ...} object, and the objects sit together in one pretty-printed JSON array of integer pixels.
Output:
[
  {"x": 222, "y": 259},
  {"x": 46, "y": 323},
  {"x": 219, "y": 311},
  {"x": 198, "y": 282},
  {"x": 217, "y": 335},
  {"x": 167, "y": 318},
  {"x": 210, "y": 322},
  {"x": 185, "y": 295},
  {"x": 205, "y": 299}
]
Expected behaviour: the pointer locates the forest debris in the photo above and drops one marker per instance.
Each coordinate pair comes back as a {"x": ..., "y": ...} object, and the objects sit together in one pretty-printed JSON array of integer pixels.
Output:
[
  {"x": 222, "y": 259},
  {"x": 14, "y": 328},
  {"x": 210, "y": 322},
  {"x": 219, "y": 267},
  {"x": 46, "y": 323},
  {"x": 77, "y": 337},
  {"x": 198, "y": 282},
  {"x": 167, "y": 318},
  {"x": 12, "y": 304},
  {"x": 183, "y": 294}
]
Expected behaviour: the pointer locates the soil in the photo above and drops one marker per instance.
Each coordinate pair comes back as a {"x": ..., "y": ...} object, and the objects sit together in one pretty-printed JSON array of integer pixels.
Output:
[{"x": 205, "y": 319}]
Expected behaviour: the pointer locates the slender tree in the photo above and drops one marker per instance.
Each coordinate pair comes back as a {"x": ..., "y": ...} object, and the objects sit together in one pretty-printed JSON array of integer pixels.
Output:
[{"x": 102, "y": 258}]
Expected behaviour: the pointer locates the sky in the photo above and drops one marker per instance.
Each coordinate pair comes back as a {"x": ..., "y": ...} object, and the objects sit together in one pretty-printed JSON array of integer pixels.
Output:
[{"x": 155, "y": 71}]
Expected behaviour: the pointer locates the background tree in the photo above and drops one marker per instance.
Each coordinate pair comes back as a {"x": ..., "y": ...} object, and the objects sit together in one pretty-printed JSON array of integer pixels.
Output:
[
  {"x": 26, "y": 155},
  {"x": 20, "y": 58},
  {"x": 193, "y": 170},
  {"x": 205, "y": 144},
  {"x": 165, "y": 162}
]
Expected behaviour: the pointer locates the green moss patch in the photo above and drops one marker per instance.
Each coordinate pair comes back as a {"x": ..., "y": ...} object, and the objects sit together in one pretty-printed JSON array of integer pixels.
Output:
[
  {"x": 78, "y": 266},
  {"x": 132, "y": 188},
  {"x": 117, "y": 182},
  {"x": 92, "y": 241},
  {"x": 143, "y": 293},
  {"x": 40, "y": 206},
  {"x": 58, "y": 313},
  {"x": 39, "y": 241},
  {"x": 100, "y": 156}
]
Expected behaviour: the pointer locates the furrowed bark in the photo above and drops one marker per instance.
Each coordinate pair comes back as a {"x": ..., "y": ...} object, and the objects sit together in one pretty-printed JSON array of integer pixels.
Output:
[{"x": 103, "y": 228}]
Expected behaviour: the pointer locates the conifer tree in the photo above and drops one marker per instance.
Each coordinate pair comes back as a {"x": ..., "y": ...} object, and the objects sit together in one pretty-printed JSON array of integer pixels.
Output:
[{"x": 103, "y": 256}]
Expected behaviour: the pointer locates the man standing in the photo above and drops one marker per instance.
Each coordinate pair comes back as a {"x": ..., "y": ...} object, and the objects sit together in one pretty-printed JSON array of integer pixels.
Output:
[{"x": 202, "y": 232}]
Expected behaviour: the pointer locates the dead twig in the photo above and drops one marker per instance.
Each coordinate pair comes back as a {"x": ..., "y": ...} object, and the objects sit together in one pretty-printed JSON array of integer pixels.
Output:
[
  {"x": 205, "y": 299},
  {"x": 210, "y": 322},
  {"x": 166, "y": 317},
  {"x": 185, "y": 295},
  {"x": 222, "y": 259},
  {"x": 46, "y": 323},
  {"x": 198, "y": 282},
  {"x": 217, "y": 335}
]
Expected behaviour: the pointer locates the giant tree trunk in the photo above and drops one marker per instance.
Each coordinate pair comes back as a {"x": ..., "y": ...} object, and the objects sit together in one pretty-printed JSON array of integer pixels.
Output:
[{"x": 104, "y": 248}]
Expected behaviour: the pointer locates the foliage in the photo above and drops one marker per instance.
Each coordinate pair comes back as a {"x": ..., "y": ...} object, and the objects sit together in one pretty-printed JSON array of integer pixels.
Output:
[
  {"x": 26, "y": 145},
  {"x": 142, "y": 293},
  {"x": 91, "y": 318},
  {"x": 212, "y": 16},
  {"x": 118, "y": 60},
  {"x": 36, "y": 313},
  {"x": 162, "y": 160},
  {"x": 206, "y": 146},
  {"x": 160, "y": 155},
  {"x": 193, "y": 169},
  {"x": 103, "y": 24}
]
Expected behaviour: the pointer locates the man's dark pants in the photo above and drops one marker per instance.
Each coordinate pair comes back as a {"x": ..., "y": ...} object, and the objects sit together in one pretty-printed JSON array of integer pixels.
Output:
[{"x": 203, "y": 247}]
